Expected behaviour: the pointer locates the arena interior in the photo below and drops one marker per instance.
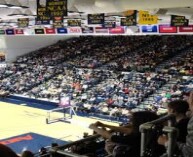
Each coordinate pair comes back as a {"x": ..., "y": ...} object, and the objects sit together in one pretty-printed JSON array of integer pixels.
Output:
[{"x": 93, "y": 78}]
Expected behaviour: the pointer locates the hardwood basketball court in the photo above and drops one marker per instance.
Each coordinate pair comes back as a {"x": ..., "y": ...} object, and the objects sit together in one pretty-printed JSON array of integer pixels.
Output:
[{"x": 21, "y": 119}]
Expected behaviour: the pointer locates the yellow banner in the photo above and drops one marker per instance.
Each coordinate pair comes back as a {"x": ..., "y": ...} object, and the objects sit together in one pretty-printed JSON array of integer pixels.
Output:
[{"x": 147, "y": 19}]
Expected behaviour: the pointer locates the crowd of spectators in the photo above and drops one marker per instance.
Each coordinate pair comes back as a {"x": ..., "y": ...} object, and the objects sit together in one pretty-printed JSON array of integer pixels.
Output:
[
  {"x": 118, "y": 94},
  {"x": 179, "y": 89},
  {"x": 181, "y": 65},
  {"x": 151, "y": 55},
  {"x": 58, "y": 69},
  {"x": 109, "y": 48}
]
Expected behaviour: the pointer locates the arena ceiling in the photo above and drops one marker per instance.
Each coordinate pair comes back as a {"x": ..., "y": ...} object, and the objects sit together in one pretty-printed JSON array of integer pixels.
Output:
[{"x": 163, "y": 8}]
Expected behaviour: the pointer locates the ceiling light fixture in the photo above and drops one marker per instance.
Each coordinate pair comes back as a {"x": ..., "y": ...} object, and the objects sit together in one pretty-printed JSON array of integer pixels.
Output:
[
  {"x": 15, "y": 4},
  {"x": 16, "y": 12},
  {"x": 3, "y": 4}
]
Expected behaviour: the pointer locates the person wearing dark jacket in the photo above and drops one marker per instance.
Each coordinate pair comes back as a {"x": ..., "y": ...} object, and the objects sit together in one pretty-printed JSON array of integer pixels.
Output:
[{"x": 185, "y": 148}]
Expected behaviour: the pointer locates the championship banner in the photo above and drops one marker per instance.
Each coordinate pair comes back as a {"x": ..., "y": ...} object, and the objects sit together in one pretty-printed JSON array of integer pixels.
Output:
[
  {"x": 131, "y": 18},
  {"x": 188, "y": 29},
  {"x": 19, "y": 31},
  {"x": 23, "y": 22},
  {"x": 146, "y": 19},
  {"x": 87, "y": 30},
  {"x": 43, "y": 17},
  {"x": 179, "y": 21},
  {"x": 109, "y": 24},
  {"x": 2, "y": 32},
  {"x": 39, "y": 31},
  {"x": 167, "y": 29},
  {"x": 74, "y": 23},
  {"x": 10, "y": 31},
  {"x": 149, "y": 29},
  {"x": 58, "y": 22},
  {"x": 110, "y": 18},
  {"x": 56, "y": 8},
  {"x": 94, "y": 19}
]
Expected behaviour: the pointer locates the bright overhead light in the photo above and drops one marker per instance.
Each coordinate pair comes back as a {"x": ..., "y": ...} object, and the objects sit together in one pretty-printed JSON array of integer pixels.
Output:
[
  {"x": 14, "y": 7},
  {"x": 3, "y": 4}
]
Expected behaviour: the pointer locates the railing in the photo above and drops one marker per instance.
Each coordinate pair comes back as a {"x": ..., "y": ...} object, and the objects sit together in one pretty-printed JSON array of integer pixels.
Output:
[{"x": 171, "y": 132}]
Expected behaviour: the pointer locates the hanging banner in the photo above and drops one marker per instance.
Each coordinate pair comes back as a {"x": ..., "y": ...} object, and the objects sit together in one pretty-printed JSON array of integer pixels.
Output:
[
  {"x": 131, "y": 18},
  {"x": 87, "y": 30},
  {"x": 109, "y": 24},
  {"x": 58, "y": 22},
  {"x": 117, "y": 30},
  {"x": 179, "y": 21},
  {"x": 56, "y": 8},
  {"x": 39, "y": 31},
  {"x": 74, "y": 23},
  {"x": 2, "y": 32},
  {"x": 10, "y": 31},
  {"x": 62, "y": 30},
  {"x": 167, "y": 29},
  {"x": 43, "y": 17},
  {"x": 187, "y": 29},
  {"x": 50, "y": 31},
  {"x": 96, "y": 19},
  {"x": 19, "y": 31},
  {"x": 23, "y": 22},
  {"x": 149, "y": 29},
  {"x": 110, "y": 18},
  {"x": 146, "y": 19}
]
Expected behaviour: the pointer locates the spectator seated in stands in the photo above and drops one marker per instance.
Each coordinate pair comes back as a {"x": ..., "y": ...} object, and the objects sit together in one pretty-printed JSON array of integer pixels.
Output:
[
  {"x": 4, "y": 94},
  {"x": 127, "y": 136}
]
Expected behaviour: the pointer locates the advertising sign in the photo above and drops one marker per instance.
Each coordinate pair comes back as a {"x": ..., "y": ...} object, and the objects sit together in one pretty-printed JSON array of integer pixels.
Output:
[
  {"x": 167, "y": 29},
  {"x": 50, "y": 31},
  {"x": 117, "y": 30},
  {"x": 186, "y": 29},
  {"x": 74, "y": 30},
  {"x": 101, "y": 30},
  {"x": 10, "y": 31},
  {"x": 62, "y": 30},
  {"x": 149, "y": 29}
]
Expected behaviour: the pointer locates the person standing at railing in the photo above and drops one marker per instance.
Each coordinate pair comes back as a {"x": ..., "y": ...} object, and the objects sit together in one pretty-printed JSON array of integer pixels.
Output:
[{"x": 185, "y": 149}]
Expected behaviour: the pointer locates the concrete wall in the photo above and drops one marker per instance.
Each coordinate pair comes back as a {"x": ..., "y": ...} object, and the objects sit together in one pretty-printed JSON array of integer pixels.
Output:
[{"x": 15, "y": 46}]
